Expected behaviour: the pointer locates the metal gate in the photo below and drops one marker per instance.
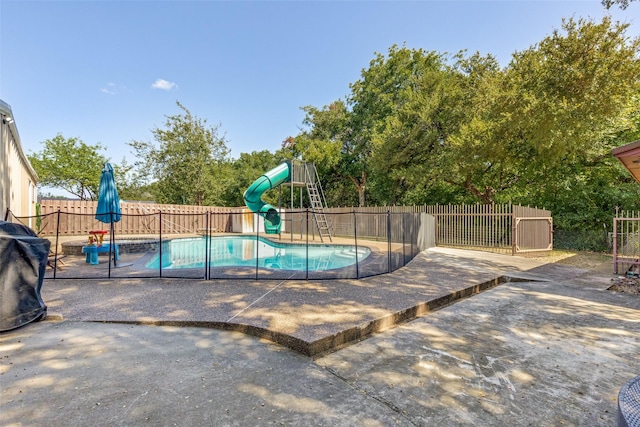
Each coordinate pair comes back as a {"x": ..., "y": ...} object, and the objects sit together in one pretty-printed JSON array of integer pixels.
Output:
[
  {"x": 532, "y": 234},
  {"x": 509, "y": 229},
  {"x": 626, "y": 239}
]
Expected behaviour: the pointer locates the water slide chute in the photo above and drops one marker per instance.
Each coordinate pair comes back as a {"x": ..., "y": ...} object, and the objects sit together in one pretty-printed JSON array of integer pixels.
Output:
[{"x": 253, "y": 195}]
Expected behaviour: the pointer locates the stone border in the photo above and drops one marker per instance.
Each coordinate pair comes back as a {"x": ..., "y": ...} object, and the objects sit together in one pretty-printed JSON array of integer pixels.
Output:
[{"x": 129, "y": 246}]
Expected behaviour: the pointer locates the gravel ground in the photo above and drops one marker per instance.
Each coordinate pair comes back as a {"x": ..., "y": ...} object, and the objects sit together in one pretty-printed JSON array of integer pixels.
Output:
[
  {"x": 597, "y": 262},
  {"x": 628, "y": 285}
]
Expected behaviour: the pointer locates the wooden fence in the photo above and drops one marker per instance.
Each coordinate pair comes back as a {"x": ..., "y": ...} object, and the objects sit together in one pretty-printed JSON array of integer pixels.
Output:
[
  {"x": 626, "y": 242},
  {"x": 77, "y": 217}
]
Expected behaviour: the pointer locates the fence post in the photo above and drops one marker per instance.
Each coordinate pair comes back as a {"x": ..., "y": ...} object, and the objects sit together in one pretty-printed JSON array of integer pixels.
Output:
[
  {"x": 615, "y": 242},
  {"x": 355, "y": 240},
  {"x": 207, "y": 242},
  {"x": 514, "y": 231},
  {"x": 256, "y": 223},
  {"x": 160, "y": 234},
  {"x": 55, "y": 265},
  {"x": 388, "y": 241},
  {"x": 403, "y": 240},
  {"x": 307, "y": 249}
]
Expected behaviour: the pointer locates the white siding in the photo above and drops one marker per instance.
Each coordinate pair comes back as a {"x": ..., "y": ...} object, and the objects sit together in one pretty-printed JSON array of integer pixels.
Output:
[{"x": 18, "y": 180}]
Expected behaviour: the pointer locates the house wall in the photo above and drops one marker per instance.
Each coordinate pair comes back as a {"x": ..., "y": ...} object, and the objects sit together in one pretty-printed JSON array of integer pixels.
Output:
[{"x": 18, "y": 179}]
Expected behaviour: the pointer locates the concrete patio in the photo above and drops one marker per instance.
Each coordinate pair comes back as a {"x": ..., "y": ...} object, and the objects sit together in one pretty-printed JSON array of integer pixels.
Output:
[{"x": 543, "y": 345}]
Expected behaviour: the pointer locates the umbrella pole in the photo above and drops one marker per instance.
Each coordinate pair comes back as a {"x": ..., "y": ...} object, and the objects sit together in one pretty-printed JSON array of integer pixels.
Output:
[
  {"x": 110, "y": 247},
  {"x": 113, "y": 243}
]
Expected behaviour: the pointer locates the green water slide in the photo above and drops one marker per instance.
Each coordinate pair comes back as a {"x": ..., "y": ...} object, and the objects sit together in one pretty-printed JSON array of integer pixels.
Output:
[{"x": 253, "y": 195}]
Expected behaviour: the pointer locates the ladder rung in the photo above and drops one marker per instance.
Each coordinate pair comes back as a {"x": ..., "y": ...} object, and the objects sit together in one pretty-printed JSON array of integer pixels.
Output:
[{"x": 317, "y": 203}]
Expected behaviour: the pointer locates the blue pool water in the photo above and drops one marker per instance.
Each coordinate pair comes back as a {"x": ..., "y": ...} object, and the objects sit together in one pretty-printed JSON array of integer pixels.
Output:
[{"x": 242, "y": 251}]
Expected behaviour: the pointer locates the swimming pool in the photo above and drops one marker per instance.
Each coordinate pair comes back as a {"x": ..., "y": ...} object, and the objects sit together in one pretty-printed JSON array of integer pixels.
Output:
[{"x": 249, "y": 251}]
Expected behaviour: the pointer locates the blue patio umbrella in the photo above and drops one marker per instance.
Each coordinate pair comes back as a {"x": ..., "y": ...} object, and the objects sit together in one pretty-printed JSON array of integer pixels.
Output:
[{"x": 108, "y": 209}]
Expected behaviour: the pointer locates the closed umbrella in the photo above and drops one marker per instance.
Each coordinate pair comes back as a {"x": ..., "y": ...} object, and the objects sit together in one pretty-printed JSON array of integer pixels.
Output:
[
  {"x": 108, "y": 210},
  {"x": 108, "y": 201}
]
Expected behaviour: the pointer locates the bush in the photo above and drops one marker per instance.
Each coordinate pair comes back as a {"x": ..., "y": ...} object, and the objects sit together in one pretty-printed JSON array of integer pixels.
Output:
[{"x": 582, "y": 240}]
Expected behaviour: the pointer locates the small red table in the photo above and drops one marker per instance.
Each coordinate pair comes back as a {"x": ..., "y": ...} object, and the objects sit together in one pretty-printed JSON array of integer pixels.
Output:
[{"x": 97, "y": 236}]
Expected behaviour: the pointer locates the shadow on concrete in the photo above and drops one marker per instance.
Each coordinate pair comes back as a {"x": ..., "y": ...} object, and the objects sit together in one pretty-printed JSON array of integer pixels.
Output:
[{"x": 311, "y": 317}]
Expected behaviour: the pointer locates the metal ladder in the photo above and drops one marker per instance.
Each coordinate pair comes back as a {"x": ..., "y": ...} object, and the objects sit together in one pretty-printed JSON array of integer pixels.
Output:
[
  {"x": 318, "y": 202},
  {"x": 323, "y": 262}
]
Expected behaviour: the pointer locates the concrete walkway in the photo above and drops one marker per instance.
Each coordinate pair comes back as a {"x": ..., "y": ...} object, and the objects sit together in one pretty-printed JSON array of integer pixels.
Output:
[{"x": 549, "y": 347}]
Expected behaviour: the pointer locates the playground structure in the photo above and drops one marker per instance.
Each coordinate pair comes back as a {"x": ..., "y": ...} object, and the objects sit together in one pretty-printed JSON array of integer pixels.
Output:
[{"x": 295, "y": 174}]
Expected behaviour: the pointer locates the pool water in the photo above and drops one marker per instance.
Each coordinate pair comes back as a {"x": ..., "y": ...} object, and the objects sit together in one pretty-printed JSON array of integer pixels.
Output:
[{"x": 249, "y": 251}]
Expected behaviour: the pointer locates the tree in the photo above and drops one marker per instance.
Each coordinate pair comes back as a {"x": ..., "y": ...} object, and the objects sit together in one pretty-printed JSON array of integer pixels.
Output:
[
  {"x": 71, "y": 165},
  {"x": 384, "y": 89},
  {"x": 413, "y": 149},
  {"x": 131, "y": 183},
  {"x": 422, "y": 127},
  {"x": 494, "y": 133},
  {"x": 343, "y": 134},
  {"x": 246, "y": 169},
  {"x": 189, "y": 165},
  {"x": 584, "y": 194},
  {"x": 326, "y": 141},
  {"x": 568, "y": 94},
  {"x": 622, "y": 4},
  {"x": 474, "y": 157}
]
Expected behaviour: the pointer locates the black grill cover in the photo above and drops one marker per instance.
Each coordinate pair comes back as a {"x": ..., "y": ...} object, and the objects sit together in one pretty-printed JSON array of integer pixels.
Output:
[{"x": 23, "y": 260}]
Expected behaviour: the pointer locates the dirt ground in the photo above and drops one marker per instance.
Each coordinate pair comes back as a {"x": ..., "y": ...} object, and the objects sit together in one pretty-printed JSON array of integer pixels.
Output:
[{"x": 601, "y": 263}]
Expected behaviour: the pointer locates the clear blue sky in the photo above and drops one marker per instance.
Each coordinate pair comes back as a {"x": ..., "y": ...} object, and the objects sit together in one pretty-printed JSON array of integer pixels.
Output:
[{"x": 108, "y": 71}]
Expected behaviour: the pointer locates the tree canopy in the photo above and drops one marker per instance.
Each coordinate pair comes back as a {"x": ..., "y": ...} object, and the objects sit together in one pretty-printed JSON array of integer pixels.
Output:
[
  {"x": 424, "y": 127},
  {"x": 243, "y": 171},
  {"x": 69, "y": 164},
  {"x": 187, "y": 162},
  {"x": 622, "y": 4}
]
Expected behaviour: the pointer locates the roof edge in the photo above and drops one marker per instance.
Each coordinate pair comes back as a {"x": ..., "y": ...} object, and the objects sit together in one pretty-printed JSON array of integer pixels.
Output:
[
  {"x": 621, "y": 151},
  {"x": 5, "y": 110}
]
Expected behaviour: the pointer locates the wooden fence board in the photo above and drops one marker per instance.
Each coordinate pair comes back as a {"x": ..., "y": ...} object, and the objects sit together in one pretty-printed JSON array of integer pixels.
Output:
[{"x": 77, "y": 217}]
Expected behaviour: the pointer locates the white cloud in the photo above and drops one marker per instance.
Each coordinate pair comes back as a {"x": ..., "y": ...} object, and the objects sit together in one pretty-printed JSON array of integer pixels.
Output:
[
  {"x": 164, "y": 85},
  {"x": 111, "y": 89}
]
